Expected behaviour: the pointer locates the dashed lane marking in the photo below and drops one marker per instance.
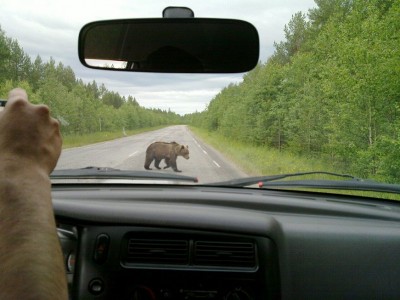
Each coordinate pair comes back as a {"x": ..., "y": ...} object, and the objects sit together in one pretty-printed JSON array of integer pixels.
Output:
[
  {"x": 205, "y": 152},
  {"x": 216, "y": 164},
  {"x": 132, "y": 154}
]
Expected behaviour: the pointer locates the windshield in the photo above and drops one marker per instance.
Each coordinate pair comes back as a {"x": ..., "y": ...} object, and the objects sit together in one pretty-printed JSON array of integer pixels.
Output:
[{"x": 324, "y": 97}]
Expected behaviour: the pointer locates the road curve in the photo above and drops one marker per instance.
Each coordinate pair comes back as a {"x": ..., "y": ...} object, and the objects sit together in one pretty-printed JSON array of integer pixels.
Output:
[{"x": 128, "y": 153}]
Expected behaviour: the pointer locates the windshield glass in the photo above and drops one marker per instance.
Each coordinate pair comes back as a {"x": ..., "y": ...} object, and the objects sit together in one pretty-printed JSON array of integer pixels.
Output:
[{"x": 324, "y": 96}]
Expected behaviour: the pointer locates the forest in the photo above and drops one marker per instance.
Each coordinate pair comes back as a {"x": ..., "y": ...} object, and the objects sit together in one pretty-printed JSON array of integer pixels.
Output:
[
  {"x": 331, "y": 90},
  {"x": 81, "y": 108}
]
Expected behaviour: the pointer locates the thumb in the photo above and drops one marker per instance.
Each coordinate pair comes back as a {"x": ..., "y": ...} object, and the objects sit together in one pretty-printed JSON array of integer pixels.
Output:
[{"x": 17, "y": 94}]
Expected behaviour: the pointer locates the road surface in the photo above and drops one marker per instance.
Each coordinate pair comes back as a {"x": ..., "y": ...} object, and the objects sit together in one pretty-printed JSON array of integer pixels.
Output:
[{"x": 128, "y": 153}]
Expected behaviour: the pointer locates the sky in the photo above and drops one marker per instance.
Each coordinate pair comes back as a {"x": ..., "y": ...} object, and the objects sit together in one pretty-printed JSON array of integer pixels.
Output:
[{"x": 50, "y": 29}]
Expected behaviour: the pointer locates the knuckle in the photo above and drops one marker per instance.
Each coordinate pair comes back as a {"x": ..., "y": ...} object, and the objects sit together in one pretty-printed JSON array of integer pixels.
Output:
[
  {"x": 55, "y": 123},
  {"x": 17, "y": 103},
  {"x": 43, "y": 110},
  {"x": 18, "y": 93}
]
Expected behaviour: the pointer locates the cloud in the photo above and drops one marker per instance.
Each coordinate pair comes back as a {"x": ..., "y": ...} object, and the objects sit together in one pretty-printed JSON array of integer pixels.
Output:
[
  {"x": 178, "y": 92},
  {"x": 50, "y": 29},
  {"x": 176, "y": 100}
]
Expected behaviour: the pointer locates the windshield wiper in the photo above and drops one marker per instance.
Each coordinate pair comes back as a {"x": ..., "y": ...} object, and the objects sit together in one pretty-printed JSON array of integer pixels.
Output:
[
  {"x": 111, "y": 173},
  {"x": 273, "y": 181},
  {"x": 241, "y": 182}
]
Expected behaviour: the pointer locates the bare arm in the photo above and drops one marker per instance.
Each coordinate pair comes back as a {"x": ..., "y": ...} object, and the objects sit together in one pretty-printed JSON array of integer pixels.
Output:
[{"x": 30, "y": 254}]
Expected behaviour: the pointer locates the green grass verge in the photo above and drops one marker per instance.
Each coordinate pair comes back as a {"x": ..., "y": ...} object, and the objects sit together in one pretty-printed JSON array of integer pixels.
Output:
[
  {"x": 70, "y": 141},
  {"x": 260, "y": 160}
]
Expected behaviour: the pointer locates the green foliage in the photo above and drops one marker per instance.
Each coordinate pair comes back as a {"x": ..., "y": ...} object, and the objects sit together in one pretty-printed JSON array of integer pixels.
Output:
[
  {"x": 331, "y": 90},
  {"x": 82, "y": 109},
  {"x": 259, "y": 160},
  {"x": 295, "y": 35}
]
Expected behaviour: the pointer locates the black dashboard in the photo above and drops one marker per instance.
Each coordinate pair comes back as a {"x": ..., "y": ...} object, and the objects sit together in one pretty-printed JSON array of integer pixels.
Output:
[{"x": 197, "y": 242}]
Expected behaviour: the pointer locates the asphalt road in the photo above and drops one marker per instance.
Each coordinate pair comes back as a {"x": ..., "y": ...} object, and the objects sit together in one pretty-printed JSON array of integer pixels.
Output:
[{"x": 128, "y": 153}]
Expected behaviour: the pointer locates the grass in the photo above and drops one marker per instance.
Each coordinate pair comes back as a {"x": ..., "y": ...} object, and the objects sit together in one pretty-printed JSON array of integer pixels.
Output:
[
  {"x": 70, "y": 141},
  {"x": 260, "y": 160}
]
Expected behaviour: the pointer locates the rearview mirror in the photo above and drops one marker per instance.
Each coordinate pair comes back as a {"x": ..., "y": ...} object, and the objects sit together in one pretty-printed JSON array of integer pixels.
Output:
[{"x": 170, "y": 45}]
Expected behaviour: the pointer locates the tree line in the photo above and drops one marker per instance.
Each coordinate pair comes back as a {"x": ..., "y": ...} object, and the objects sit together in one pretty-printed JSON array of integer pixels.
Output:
[
  {"x": 330, "y": 90},
  {"x": 81, "y": 108}
]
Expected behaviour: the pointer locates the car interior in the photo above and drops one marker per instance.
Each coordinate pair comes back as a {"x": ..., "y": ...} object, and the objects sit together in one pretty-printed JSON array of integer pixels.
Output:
[
  {"x": 220, "y": 240},
  {"x": 198, "y": 242}
]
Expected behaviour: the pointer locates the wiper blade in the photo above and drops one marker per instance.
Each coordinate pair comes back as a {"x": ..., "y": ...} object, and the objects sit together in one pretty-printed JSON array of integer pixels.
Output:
[
  {"x": 241, "y": 182},
  {"x": 353, "y": 183},
  {"x": 111, "y": 173}
]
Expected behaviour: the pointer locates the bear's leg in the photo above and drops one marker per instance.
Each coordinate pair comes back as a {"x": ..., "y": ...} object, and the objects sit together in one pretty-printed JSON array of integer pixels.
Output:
[
  {"x": 157, "y": 163},
  {"x": 174, "y": 166},
  {"x": 167, "y": 162},
  {"x": 147, "y": 163}
]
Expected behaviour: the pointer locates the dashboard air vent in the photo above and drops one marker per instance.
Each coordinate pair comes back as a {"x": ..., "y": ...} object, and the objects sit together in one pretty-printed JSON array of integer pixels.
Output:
[
  {"x": 158, "y": 251},
  {"x": 224, "y": 254}
]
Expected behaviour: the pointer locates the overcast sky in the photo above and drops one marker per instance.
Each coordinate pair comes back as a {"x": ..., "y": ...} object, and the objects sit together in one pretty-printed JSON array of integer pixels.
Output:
[{"x": 50, "y": 28}]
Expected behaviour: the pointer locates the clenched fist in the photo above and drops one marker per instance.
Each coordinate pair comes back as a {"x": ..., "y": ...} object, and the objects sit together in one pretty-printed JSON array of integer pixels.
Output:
[{"x": 28, "y": 134}]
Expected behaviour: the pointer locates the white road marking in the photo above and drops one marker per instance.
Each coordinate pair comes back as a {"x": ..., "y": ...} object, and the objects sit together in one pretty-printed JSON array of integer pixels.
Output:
[
  {"x": 216, "y": 164},
  {"x": 197, "y": 144},
  {"x": 132, "y": 154},
  {"x": 205, "y": 152}
]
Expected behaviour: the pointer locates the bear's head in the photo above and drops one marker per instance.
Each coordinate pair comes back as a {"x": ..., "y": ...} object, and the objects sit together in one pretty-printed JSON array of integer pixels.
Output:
[{"x": 184, "y": 151}]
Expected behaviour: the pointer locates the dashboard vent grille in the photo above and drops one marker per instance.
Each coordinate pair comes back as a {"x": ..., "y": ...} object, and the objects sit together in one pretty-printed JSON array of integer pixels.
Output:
[
  {"x": 224, "y": 254},
  {"x": 160, "y": 251}
]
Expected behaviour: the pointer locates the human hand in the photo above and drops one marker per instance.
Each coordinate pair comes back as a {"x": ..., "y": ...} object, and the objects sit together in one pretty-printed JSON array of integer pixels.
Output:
[{"x": 29, "y": 137}]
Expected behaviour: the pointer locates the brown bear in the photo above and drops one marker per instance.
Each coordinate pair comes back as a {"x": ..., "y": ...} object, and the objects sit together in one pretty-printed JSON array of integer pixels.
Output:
[{"x": 158, "y": 151}]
